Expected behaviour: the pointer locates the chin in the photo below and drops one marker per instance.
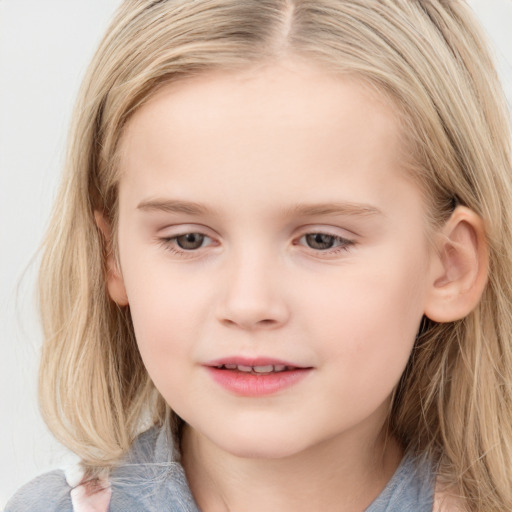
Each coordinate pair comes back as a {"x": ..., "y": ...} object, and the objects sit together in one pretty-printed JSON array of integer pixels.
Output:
[{"x": 248, "y": 446}]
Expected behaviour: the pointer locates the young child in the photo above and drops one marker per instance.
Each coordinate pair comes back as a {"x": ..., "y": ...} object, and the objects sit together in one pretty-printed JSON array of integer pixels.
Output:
[{"x": 278, "y": 275}]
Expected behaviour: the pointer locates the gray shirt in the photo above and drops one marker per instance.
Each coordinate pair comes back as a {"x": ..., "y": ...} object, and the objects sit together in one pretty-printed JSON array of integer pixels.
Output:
[{"x": 151, "y": 481}]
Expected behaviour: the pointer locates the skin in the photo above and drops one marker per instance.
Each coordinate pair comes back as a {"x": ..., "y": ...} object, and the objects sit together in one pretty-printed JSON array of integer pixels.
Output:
[{"x": 249, "y": 147}]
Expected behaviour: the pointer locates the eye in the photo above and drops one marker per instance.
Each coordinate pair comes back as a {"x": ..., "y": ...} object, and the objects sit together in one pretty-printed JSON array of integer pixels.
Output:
[
  {"x": 187, "y": 245},
  {"x": 319, "y": 241},
  {"x": 325, "y": 242},
  {"x": 190, "y": 241}
]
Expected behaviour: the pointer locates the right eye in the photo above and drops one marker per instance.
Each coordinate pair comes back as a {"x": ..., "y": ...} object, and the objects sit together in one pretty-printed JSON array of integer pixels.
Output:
[{"x": 187, "y": 243}]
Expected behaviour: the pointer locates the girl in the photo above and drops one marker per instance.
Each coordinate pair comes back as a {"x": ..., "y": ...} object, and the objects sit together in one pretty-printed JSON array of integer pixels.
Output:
[{"x": 278, "y": 271}]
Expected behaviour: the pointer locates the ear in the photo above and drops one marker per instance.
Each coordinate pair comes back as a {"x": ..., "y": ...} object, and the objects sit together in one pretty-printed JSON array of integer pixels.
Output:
[
  {"x": 460, "y": 267},
  {"x": 114, "y": 278}
]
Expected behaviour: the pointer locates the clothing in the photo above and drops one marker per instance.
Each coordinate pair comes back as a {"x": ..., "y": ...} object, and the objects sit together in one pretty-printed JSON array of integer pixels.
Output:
[{"x": 151, "y": 480}]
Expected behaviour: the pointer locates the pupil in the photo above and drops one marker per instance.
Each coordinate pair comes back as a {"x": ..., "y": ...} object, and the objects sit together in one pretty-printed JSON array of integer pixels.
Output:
[
  {"x": 190, "y": 241},
  {"x": 320, "y": 241}
]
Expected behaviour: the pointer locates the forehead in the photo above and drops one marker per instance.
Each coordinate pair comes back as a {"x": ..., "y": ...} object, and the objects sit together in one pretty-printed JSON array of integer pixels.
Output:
[
  {"x": 288, "y": 90},
  {"x": 289, "y": 122}
]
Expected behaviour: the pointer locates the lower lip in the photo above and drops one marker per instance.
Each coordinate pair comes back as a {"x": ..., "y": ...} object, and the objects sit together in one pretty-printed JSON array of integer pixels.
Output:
[{"x": 250, "y": 384}]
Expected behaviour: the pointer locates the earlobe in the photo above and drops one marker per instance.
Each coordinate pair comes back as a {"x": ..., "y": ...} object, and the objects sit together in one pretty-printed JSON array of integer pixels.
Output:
[
  {"x": 460, "y": 267},
  {"x": 114, "y": 278}
]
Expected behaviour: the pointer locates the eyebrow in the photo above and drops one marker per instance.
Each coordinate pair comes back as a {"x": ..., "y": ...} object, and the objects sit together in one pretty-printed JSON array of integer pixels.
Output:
[
  {"x": 301, "y": 210},
  {"x": 174, "y": 206},
  {"x": 348, "y": 208}
]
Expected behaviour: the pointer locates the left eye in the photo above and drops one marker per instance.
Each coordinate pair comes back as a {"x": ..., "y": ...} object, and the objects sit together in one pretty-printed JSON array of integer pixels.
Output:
[
  {"x": 190, "y": 241},
  {"x": 323, "y": 242}
]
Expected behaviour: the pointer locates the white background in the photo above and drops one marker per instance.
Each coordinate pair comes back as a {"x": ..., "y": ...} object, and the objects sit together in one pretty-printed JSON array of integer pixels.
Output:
[{"x": 45, "y": 46}]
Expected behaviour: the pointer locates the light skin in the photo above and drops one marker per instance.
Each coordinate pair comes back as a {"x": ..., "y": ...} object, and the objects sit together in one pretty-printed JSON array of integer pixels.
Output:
[{"x": 312, "y": 247}]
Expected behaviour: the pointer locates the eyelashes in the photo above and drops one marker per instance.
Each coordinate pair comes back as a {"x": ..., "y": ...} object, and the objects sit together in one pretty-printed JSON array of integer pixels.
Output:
[
  {"x": 319, "y": 243},
  {"x": 186, "y": 245},
  {"x": 324, "y": 242}
]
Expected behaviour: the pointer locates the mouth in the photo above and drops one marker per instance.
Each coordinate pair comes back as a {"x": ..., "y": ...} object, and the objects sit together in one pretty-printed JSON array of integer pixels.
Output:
[
  {"x": 256, "y": 377},
  {"x": 257, "y": 369}
]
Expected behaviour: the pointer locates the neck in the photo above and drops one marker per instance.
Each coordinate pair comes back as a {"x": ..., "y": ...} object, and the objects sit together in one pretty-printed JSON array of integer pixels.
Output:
[{"x": 343, "y": 474}]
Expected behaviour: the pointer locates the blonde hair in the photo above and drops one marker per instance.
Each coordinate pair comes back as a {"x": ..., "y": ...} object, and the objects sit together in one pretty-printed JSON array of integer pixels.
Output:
[{"x": 454, "y": 401}]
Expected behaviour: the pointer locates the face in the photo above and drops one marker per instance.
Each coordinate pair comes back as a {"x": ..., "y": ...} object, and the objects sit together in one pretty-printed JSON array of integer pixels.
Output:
[{"x": 274, "y": 255}]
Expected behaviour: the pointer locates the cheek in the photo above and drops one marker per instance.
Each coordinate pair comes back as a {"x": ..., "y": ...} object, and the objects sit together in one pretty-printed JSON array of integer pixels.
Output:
[
  {"x": 166, "y": 310},
  {"x": 369, "y": 320},
  {"x": 165, "y": 329}
]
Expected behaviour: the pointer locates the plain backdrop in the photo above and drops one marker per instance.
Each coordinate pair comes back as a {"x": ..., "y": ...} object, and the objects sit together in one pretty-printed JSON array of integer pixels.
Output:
[{"x": 45, "y": 46}]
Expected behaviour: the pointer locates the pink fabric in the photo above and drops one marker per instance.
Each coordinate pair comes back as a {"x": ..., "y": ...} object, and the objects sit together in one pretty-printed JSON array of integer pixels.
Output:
[{"x": 90, "y": 497}]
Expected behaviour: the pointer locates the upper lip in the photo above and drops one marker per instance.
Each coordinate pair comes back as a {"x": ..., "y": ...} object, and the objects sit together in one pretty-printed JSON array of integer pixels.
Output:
[{"x": 253, "y": 361}]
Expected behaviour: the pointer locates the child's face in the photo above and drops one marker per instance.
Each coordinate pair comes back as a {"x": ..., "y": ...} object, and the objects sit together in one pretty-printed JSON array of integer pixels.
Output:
[{"x": 310, "y": 251}]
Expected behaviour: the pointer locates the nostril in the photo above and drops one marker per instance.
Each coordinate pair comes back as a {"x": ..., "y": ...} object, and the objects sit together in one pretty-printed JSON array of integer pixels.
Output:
[{"x": 248, "y": 324}]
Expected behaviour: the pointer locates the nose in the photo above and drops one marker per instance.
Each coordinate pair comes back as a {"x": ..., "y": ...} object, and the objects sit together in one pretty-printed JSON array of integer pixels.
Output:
[{"x": 252, "y": 295}]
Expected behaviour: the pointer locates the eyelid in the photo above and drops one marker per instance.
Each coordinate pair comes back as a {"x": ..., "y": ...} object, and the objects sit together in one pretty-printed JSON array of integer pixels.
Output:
[
  {"x": 342, "y": 240},
  {"x": 176, "y": 230},
  {"x": 334, "y": 231}
]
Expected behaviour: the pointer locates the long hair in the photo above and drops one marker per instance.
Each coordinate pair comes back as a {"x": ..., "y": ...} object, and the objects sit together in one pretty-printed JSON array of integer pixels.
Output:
[{"x": 429, "y": 57}]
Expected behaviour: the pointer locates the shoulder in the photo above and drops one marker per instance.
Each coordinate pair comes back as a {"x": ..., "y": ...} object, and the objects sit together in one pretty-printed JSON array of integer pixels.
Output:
[
  {"x": 151, "y": 477},
  {"x": 49, "y": 492}
]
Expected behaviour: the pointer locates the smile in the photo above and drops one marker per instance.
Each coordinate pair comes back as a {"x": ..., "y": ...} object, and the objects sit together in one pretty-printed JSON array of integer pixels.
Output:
[
  {"x": 253, "y": 378},
  {"x": 260, "y": 370}
]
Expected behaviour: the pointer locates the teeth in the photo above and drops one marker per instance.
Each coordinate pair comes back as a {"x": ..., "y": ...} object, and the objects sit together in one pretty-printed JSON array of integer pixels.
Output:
[
  {"x": 269, "y": 368},
  {"x": 263, "y": 369}
]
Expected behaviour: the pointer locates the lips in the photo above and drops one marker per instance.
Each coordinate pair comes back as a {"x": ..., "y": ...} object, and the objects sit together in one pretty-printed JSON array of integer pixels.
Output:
[
  {"x": 258, "y": 369},
  {"x": 255, "y": 377}
]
